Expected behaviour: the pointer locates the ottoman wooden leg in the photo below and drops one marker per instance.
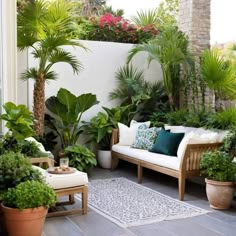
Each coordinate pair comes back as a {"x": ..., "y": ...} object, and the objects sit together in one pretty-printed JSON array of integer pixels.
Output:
[{"x": 85, "y": 200}]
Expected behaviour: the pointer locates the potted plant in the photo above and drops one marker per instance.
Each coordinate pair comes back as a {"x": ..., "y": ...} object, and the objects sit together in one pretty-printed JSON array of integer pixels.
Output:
[
  {"x": 220, "y": 174},
  {"x": 80, "y": 157},
  {"x": 25, "y": 207},
  {"x": 99, "y": 131}
]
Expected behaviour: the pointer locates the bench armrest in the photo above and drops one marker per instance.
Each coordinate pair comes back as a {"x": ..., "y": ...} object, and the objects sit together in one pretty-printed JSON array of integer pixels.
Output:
[
  {"x": 41, "y": 160},
  {"x": 193, "y": 155},
  {"x": 114, "y": 137}
]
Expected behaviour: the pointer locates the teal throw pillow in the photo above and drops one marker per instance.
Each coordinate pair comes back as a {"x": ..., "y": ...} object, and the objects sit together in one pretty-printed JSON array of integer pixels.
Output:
[
  {"x": 167, "y": 143},
  {"x": 145, "y": 137}
]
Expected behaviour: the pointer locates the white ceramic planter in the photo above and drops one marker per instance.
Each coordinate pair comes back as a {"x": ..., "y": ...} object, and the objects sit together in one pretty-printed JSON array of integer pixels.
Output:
[{"x": 104, "y": 159}]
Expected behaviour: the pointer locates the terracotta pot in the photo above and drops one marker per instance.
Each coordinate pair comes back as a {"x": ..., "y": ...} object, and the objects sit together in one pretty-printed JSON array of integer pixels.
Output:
[
  {"x": 219, "y": 194},
  {"x": 2, "y": 223},
  {"x": 25, "y": 222}
]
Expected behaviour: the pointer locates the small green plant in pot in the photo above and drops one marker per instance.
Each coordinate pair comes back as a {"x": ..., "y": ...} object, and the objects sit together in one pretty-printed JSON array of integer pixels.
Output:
[
  {"x": 25, "y": 207},
  {"x": 220, "y": 173}
]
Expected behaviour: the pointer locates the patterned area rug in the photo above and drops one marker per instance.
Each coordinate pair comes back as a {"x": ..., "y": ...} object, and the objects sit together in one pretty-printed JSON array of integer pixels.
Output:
[{"x": 129, "y": 204}]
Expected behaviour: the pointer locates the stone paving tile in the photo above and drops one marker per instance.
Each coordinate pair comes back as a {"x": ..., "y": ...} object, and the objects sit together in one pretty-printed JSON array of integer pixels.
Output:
[
  {"x": 217, "y": 225},
  {"x": 95, "y": 224},
  {"x": 151, "y": 230},
  {"x": 185, "y": 227},
  {"x": 61, "y": 226}
]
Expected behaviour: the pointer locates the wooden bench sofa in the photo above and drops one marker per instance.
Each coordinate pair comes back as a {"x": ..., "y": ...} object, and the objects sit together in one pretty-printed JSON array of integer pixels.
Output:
[{"x": 188, "y": 167}]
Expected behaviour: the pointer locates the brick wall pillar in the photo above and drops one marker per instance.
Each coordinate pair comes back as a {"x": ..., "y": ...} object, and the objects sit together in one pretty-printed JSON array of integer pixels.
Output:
[{"x": 194, "y": 20}]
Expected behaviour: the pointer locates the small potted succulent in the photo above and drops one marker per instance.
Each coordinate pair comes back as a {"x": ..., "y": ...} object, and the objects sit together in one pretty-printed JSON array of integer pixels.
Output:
[
  {"x": 25, "y": 207},
  {"x": 220, "y": 172}
]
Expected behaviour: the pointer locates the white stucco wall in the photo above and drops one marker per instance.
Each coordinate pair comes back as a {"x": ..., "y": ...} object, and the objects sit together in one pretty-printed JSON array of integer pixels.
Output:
[{"x": 100, "y": 63}]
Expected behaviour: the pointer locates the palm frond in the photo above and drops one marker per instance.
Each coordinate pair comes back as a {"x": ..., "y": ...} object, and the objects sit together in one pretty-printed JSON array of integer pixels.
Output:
[
  {"x": 218, "y": 73},
  {"x": 50, "y": 75},
  {"x": 29, "y": 23},
  {"x": 51, "y": 42},
  {"x": 130, "y": 83},
  {"x": 58, "y": 18},
  {"x": 31, "y": 73},
  {"x": 145, "y": 18},
  {"x": 60, "y": 55}
]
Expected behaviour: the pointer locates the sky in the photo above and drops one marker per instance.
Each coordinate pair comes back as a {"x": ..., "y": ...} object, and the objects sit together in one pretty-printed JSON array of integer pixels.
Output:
[{"x": 223, "y": 16}]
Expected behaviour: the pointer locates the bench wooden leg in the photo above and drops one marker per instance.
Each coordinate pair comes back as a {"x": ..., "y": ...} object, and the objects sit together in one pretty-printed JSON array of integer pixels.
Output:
[
  {"x": 181, "y": 187},
  {"x": 140, "y": 173}
]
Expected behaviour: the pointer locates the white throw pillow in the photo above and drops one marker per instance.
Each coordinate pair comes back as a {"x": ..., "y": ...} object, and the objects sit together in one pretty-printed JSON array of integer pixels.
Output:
[
  {"x": 183, "y": 144},
  {"x": 134, "y": 122},
  {"x": 195, "y": 138},
  {"x": 127, "y": 134}
]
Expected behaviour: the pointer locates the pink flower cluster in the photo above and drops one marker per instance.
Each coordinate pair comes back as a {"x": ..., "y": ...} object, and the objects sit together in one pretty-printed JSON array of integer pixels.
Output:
[
  {"x": 109, "y": 19},
  {"x": 118, "y": 29}
]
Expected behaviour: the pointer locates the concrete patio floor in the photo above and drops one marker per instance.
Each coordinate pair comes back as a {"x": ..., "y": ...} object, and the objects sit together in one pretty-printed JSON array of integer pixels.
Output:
[{"x": 93, "y": 224}]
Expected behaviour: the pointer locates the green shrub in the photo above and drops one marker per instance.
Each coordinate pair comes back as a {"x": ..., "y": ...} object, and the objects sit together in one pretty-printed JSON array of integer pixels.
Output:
[
  {"x": 177, "y": 117},
  {"x": 14, "y": 169},
  {"x": 30, "y": 149},
  {"x": 80, "y": 157},
  {"x": 29, "y": 194},
  {"x": 222, "y": 120},
  {"x": 229, "y": 142},
  {"x": 218, "y": 166}
]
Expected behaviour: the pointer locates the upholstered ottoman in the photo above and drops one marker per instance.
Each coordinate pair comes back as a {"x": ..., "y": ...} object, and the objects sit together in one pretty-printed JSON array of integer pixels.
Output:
[{"x": 67, "y": 185}]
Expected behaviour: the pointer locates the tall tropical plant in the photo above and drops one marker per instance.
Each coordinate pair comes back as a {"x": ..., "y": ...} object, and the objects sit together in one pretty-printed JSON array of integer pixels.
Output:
[
  {"x": 45, "y": 27},
  {"x": 218, "y": 74},
  {"x": 66, "y": 110},
  {"x": 170, "y": 49}
]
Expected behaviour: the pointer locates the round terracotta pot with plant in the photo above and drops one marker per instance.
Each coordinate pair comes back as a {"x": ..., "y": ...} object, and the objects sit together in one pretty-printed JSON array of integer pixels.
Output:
[
  {"x": 25, "y": 208},
  {"x": 220, "y": 173}
]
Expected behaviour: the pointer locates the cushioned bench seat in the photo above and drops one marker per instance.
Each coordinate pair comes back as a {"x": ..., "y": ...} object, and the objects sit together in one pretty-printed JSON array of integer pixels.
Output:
[{"x": 171, "y": 162}]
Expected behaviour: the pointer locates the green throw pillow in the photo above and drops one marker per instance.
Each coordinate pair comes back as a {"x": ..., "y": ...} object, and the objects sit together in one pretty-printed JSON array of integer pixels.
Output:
[
  {"x": 167, "y": 143},
  {"x": 145, "y": 137}
]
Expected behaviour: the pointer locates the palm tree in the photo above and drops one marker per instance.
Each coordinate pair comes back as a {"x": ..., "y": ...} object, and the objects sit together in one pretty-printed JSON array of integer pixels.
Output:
[
  {"x": 169, "y": 48},
  {"x": 44, "y": 28}
]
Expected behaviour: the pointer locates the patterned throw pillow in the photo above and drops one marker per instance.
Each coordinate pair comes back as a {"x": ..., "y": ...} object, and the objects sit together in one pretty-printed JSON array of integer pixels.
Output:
[{"x": 145, "y": 137}]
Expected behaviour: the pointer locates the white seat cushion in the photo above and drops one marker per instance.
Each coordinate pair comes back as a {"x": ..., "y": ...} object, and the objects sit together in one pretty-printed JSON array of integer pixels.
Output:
[
  {"x": 58, "y": 181},
  {"x": 171, "y": 162}
]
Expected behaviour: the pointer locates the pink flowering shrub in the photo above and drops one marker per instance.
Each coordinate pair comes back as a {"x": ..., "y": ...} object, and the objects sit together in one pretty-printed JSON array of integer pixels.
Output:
[{"x": 118, "y": 29}]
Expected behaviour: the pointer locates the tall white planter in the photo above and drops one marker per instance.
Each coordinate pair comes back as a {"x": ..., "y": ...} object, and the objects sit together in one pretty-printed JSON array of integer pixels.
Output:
[{"x": 104, "y": 159}]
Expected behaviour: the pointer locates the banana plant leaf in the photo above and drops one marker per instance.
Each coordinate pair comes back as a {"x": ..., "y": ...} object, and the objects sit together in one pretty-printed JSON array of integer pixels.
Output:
[{"x": 67, "y": 110}]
